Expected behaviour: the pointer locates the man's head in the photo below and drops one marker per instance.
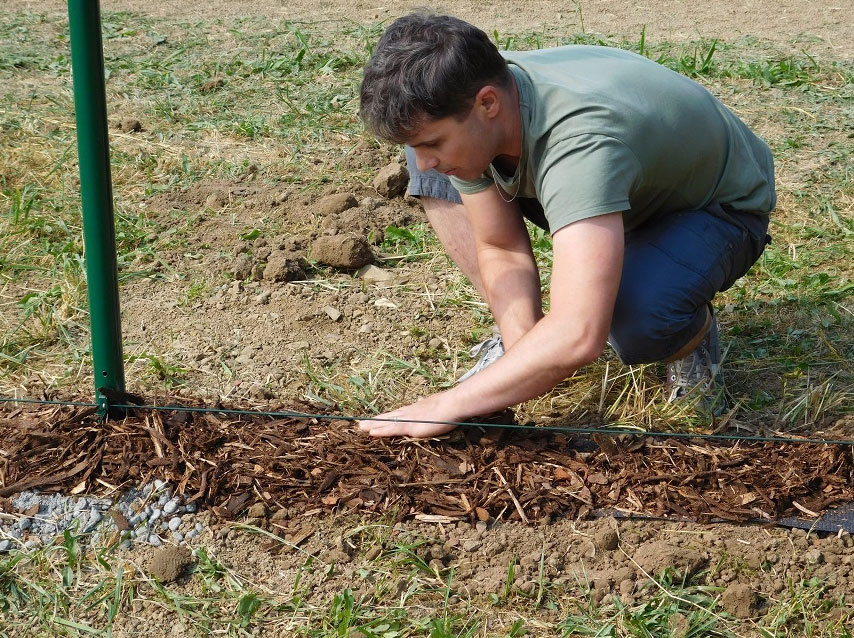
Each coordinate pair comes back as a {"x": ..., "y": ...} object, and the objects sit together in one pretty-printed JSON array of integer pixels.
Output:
[{"x": 427, "y": 67}]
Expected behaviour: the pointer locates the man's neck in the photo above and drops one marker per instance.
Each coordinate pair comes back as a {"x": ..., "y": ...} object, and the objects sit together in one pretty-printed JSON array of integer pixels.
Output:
[{"x": 510, "y": 151}]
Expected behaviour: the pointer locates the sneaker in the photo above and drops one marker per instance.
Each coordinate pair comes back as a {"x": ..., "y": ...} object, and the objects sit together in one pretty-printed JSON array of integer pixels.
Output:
[
  {"x": 486, "y": 353},
  {"x": 698, "y": 376}
]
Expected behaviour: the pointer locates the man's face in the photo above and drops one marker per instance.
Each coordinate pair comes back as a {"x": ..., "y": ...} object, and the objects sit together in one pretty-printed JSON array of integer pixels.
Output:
[{"x": 462, "y": 148}]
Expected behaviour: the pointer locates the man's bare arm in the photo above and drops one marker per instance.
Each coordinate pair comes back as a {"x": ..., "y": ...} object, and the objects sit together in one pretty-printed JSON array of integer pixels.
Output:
[
  {"x": 506, "y": 263},
  {"x": 585, "y": 278}
]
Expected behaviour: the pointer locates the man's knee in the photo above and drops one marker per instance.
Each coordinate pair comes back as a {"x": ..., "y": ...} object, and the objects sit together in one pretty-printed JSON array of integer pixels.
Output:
[{"x": 646, "y": 330}]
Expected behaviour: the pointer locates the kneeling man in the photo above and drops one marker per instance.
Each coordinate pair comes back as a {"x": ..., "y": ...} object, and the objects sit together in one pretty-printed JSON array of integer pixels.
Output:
[{"x": 655, "y": 194}]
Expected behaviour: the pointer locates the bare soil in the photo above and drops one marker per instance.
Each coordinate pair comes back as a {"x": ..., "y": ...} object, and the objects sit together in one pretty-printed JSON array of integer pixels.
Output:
[
  {"x": 248, "y": 335},
  {"x": 751, "y": 565}
]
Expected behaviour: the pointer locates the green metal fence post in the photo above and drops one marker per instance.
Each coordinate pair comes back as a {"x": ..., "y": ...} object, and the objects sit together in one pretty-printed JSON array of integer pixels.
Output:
[{"x": 96, "y": 191}]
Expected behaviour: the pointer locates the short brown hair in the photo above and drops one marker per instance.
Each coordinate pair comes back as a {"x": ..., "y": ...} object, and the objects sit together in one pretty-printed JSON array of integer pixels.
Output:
[{"x": 426, "y": 65}]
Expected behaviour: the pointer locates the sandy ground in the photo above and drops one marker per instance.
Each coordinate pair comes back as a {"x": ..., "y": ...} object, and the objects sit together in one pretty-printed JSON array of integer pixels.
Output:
[{"x": 822, "y": 26}]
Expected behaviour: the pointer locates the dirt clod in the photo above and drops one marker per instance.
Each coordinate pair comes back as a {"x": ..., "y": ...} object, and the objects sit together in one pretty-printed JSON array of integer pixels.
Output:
[
  {"x": 606, "y": 539},
  {"x": 373, "y": 552},
  {"x": 679, "y": 625},
  {"x": 130, "y": 125},
  {"x": 280, "y": 515},
  {"x": 391, "y": 180},
  {"x": 342, "y": 251},
  {"x": 336, "y": 203},
  {"x": 242, "y": 267},
  {"x": 212, "y": 85},
  {"x": 169, "y": 561},
  {"x": 285, "y": 266},
  {"x": 258, "y": 510},
  {"x": 654, "y": 558},
  {"x": 740, "y": 600}
]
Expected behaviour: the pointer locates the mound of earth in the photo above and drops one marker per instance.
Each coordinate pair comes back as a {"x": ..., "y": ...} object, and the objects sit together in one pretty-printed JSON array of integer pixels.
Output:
[
  {"x": 224, "y": 217},
  {"x": 169, "y": 562}
]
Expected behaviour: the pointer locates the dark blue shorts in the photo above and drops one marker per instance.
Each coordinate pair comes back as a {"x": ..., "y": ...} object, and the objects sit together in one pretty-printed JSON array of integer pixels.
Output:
[{"x": 672, "y": 268}]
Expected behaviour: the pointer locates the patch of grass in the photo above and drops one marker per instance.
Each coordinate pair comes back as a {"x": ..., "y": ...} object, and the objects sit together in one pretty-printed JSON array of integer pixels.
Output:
[
  {"x": 80, "y": 586},
  {"x": 667, "y": 603},
  {"x": 802, "y": 610},
  {"x": 197, "y": 291},
  {"x": 158, "y": 367},
  {"x": 408, "y": 244}
]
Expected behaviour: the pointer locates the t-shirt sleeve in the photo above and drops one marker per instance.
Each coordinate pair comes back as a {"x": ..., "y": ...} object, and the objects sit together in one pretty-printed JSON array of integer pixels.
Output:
[
  {"x": 470, "y": 188},
  {"x": 584, "y": 176}
]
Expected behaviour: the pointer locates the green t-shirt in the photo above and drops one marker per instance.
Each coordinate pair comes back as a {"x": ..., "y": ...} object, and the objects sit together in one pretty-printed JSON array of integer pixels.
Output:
[{"x": 606, "y": 130}]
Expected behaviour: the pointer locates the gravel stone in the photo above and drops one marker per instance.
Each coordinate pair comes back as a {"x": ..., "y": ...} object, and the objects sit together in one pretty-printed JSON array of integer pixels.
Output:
[
  {"x": 332, "y": 313},
  {"x": 472, "y": 546},
  {"x": 95, "y": 517},
  {"x": 175, "y": 523},
  {"x": 170, "y": 507},
  {"x": 374, "y": 274},
  {"x": 154, "y": 540},
  {"x": 5, "y": 545},
  {"x": 155, "y": 515}
]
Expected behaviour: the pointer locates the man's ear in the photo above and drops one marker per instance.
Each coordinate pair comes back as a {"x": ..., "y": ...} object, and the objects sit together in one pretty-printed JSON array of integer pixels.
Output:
[{"x": 488, "y": 100}]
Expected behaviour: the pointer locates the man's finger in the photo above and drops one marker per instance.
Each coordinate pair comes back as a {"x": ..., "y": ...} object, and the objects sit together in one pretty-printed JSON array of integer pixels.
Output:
[
  {"x": 387, "y": 429},
  {"x": 378, "y": 428},
  {"x": 370, "y": 424}
]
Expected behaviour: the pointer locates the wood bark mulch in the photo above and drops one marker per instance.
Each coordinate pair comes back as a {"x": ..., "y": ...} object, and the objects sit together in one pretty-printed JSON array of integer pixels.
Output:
[{"x": 229, "y": 462}]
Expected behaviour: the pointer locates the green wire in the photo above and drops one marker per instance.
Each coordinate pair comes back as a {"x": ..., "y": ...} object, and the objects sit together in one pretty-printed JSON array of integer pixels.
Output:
[
  {"x": 507, "y": 426},
  {"x": 46, "y": 402}
]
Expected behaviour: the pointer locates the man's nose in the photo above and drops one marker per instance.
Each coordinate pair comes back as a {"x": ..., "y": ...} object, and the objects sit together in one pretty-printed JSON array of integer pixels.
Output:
[{"x": 425, "y": 161}]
